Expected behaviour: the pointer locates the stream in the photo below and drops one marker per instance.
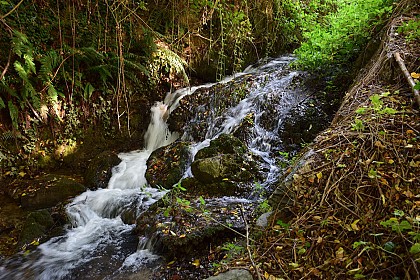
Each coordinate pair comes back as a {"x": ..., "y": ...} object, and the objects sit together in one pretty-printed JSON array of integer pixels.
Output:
[{"x": 97, "y": 244}]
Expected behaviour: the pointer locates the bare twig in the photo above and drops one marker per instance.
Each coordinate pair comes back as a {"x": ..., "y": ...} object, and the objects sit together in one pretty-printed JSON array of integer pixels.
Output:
[
  {"x": 407, "y": 75},
  {"x": 12, "y": 10},
  {"x": 247, "y": 244}
]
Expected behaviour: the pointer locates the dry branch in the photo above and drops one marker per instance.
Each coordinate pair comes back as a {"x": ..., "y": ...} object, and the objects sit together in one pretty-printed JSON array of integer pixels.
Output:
[{"x": 407, "y": 75}]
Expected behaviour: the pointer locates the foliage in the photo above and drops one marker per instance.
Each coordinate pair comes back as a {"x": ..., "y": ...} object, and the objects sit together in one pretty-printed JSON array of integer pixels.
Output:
[
  {"x": 410, "y": 29},
  {"x": 342, "y": 34}
]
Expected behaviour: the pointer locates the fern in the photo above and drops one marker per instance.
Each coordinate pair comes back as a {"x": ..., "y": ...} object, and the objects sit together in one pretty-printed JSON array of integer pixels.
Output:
[
  {"x": 49, "y": 62},
  {"x": 2, "y": 105},
  {"x": 7, "y": 136},
  {"x": 14, "y": 115},
  {"x": 20, "y": 43}
]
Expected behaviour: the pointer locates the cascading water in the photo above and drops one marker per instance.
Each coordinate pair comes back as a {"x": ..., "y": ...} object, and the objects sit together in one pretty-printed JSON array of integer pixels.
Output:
[
  {"x": 97, "y": 227},
  {"x": 99, "y": 244}
]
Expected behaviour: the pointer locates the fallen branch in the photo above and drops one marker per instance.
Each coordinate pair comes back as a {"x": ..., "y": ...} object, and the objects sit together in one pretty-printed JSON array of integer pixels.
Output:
[
  {"x": 407, "y": 75},
  {"x": 247, "y": 244}
]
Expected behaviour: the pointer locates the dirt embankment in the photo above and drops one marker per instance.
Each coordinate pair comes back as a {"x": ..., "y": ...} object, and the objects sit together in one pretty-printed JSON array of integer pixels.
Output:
[{"x": 350, "y": 209}]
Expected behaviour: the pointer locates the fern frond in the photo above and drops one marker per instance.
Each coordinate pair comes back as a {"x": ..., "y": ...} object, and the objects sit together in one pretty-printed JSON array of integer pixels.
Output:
[
  {"x": 14, "y": 113},
  {"x": 29, "y": 63},
  {"x": 21, "y": 70},
  {"x": 103, "y": 72},
  {"x": 89, "y": 55},
  {"x": 52, "y": 94},
  {"x": 134, "y": 65},
  {"x": 4, "y": 87},
  {"x": 20, "y": 43},
  {"x": 49, "y": 62},
  {"x": 7, "y": 136}
]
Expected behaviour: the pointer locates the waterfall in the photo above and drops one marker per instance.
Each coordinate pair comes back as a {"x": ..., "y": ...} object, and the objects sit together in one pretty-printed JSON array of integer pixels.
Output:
[{"x": 95, "y": 216}]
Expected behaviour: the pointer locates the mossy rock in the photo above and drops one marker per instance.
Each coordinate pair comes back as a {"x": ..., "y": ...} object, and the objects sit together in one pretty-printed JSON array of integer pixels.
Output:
[
  {"x": 99, "y": 170},
  {"x": 166, "y": 165},
  {"x": 46, "y": 191},
  {"x": 224, "y": 188},
  {"x": 36, "y": 227},
  {"x": 221, "y": 168},
  {"x": 224, "y": 144},
  {"x": 181, "y": 232}
]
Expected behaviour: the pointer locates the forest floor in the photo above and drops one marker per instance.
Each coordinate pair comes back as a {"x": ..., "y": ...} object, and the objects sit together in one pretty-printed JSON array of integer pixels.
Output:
[{"x": 353, "y": 206}]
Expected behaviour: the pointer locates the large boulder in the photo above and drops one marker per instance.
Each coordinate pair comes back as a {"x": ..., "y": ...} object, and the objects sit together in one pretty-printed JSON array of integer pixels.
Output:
[
  {"x": 224, "y": 167},
  {"x": 46, "y": 191},
  {"x": 99, "y": 170},
  {"x": 36, "y": 228},
  {"x": 184, "y": 226},
  {"x": 166, "y": 165},
  {"x": 225, "y": 163}
]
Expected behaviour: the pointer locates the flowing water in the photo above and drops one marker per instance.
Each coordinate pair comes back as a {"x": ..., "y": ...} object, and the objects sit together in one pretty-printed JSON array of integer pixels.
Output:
[{"x": 98, "y": 244}]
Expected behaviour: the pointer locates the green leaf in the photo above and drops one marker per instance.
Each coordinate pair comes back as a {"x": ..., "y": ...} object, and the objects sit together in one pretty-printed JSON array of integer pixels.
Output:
[
  {"x": 399, "y": 213},
  {"x": 359, "y": 243},
  {"x": 361, "y": 110},
  {"x": 13, "y": 111},
  {"x": 2, "y": 105},
  {"x": 417, "y": 86},
  {"x": 415, "y": 249},
  {"x": 389, "y": 246},
  {"x": 202, "y": 201},
  {"x": 404, "y": 225},
  {"x": 89, "y": 89},
  {"x": 389, "y": 111}
]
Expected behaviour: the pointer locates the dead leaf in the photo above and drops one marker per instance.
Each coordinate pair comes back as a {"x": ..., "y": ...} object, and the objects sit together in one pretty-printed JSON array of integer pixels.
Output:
[
  {"x": 354, "y": 225},
  {"x": 415, "y": 75},
  {"x": 196, "y": 263},
  {"x": 339, "y": 253}
]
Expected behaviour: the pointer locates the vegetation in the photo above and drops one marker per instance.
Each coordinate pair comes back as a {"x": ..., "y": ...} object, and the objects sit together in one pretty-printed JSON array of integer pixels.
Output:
[
  {"x": 77, "y": 66},
  {"x": 342, "y": 34}
]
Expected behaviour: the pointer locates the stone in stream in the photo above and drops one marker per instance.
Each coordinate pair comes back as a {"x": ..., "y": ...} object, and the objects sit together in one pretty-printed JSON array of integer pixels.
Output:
[
  {"x": 166, "y": 165},
  {"x": 234, "y": 274},
  {"x": 99, "y": 170}
]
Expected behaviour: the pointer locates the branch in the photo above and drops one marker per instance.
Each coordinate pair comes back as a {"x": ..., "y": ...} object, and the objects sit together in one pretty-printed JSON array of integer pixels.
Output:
[
  {"x": 9, "y": 29},
  {"x": 7, "y": 65},
  {"x": 407, "y": 75},
  {"x": 247, "y": 244},
  {"x": 12, "y": 10}
]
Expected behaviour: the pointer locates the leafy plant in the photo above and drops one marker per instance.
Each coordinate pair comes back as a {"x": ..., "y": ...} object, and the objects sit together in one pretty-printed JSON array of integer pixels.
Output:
[
  {"x": 342, "y": 33},
  {"x": 411, "y": 30}
]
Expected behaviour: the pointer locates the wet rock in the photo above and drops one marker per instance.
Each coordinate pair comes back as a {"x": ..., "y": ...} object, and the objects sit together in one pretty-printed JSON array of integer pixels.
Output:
[
  {"x": 198, "y": 110},
  {"x": 234, "y": 274},
  {"x": 226, "y": 160},
  {"x": 302, "y": 124},
  {"x": 46, "y": 191},
  {"x": 36, "y": 227},
  {"x": 186, "y": 226},
  {"x": 166, "y": 165},
  {"x": 225, "y": 167},
  {"x": 99, "y": 170},
  {"x": 224, "y": 144}
]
